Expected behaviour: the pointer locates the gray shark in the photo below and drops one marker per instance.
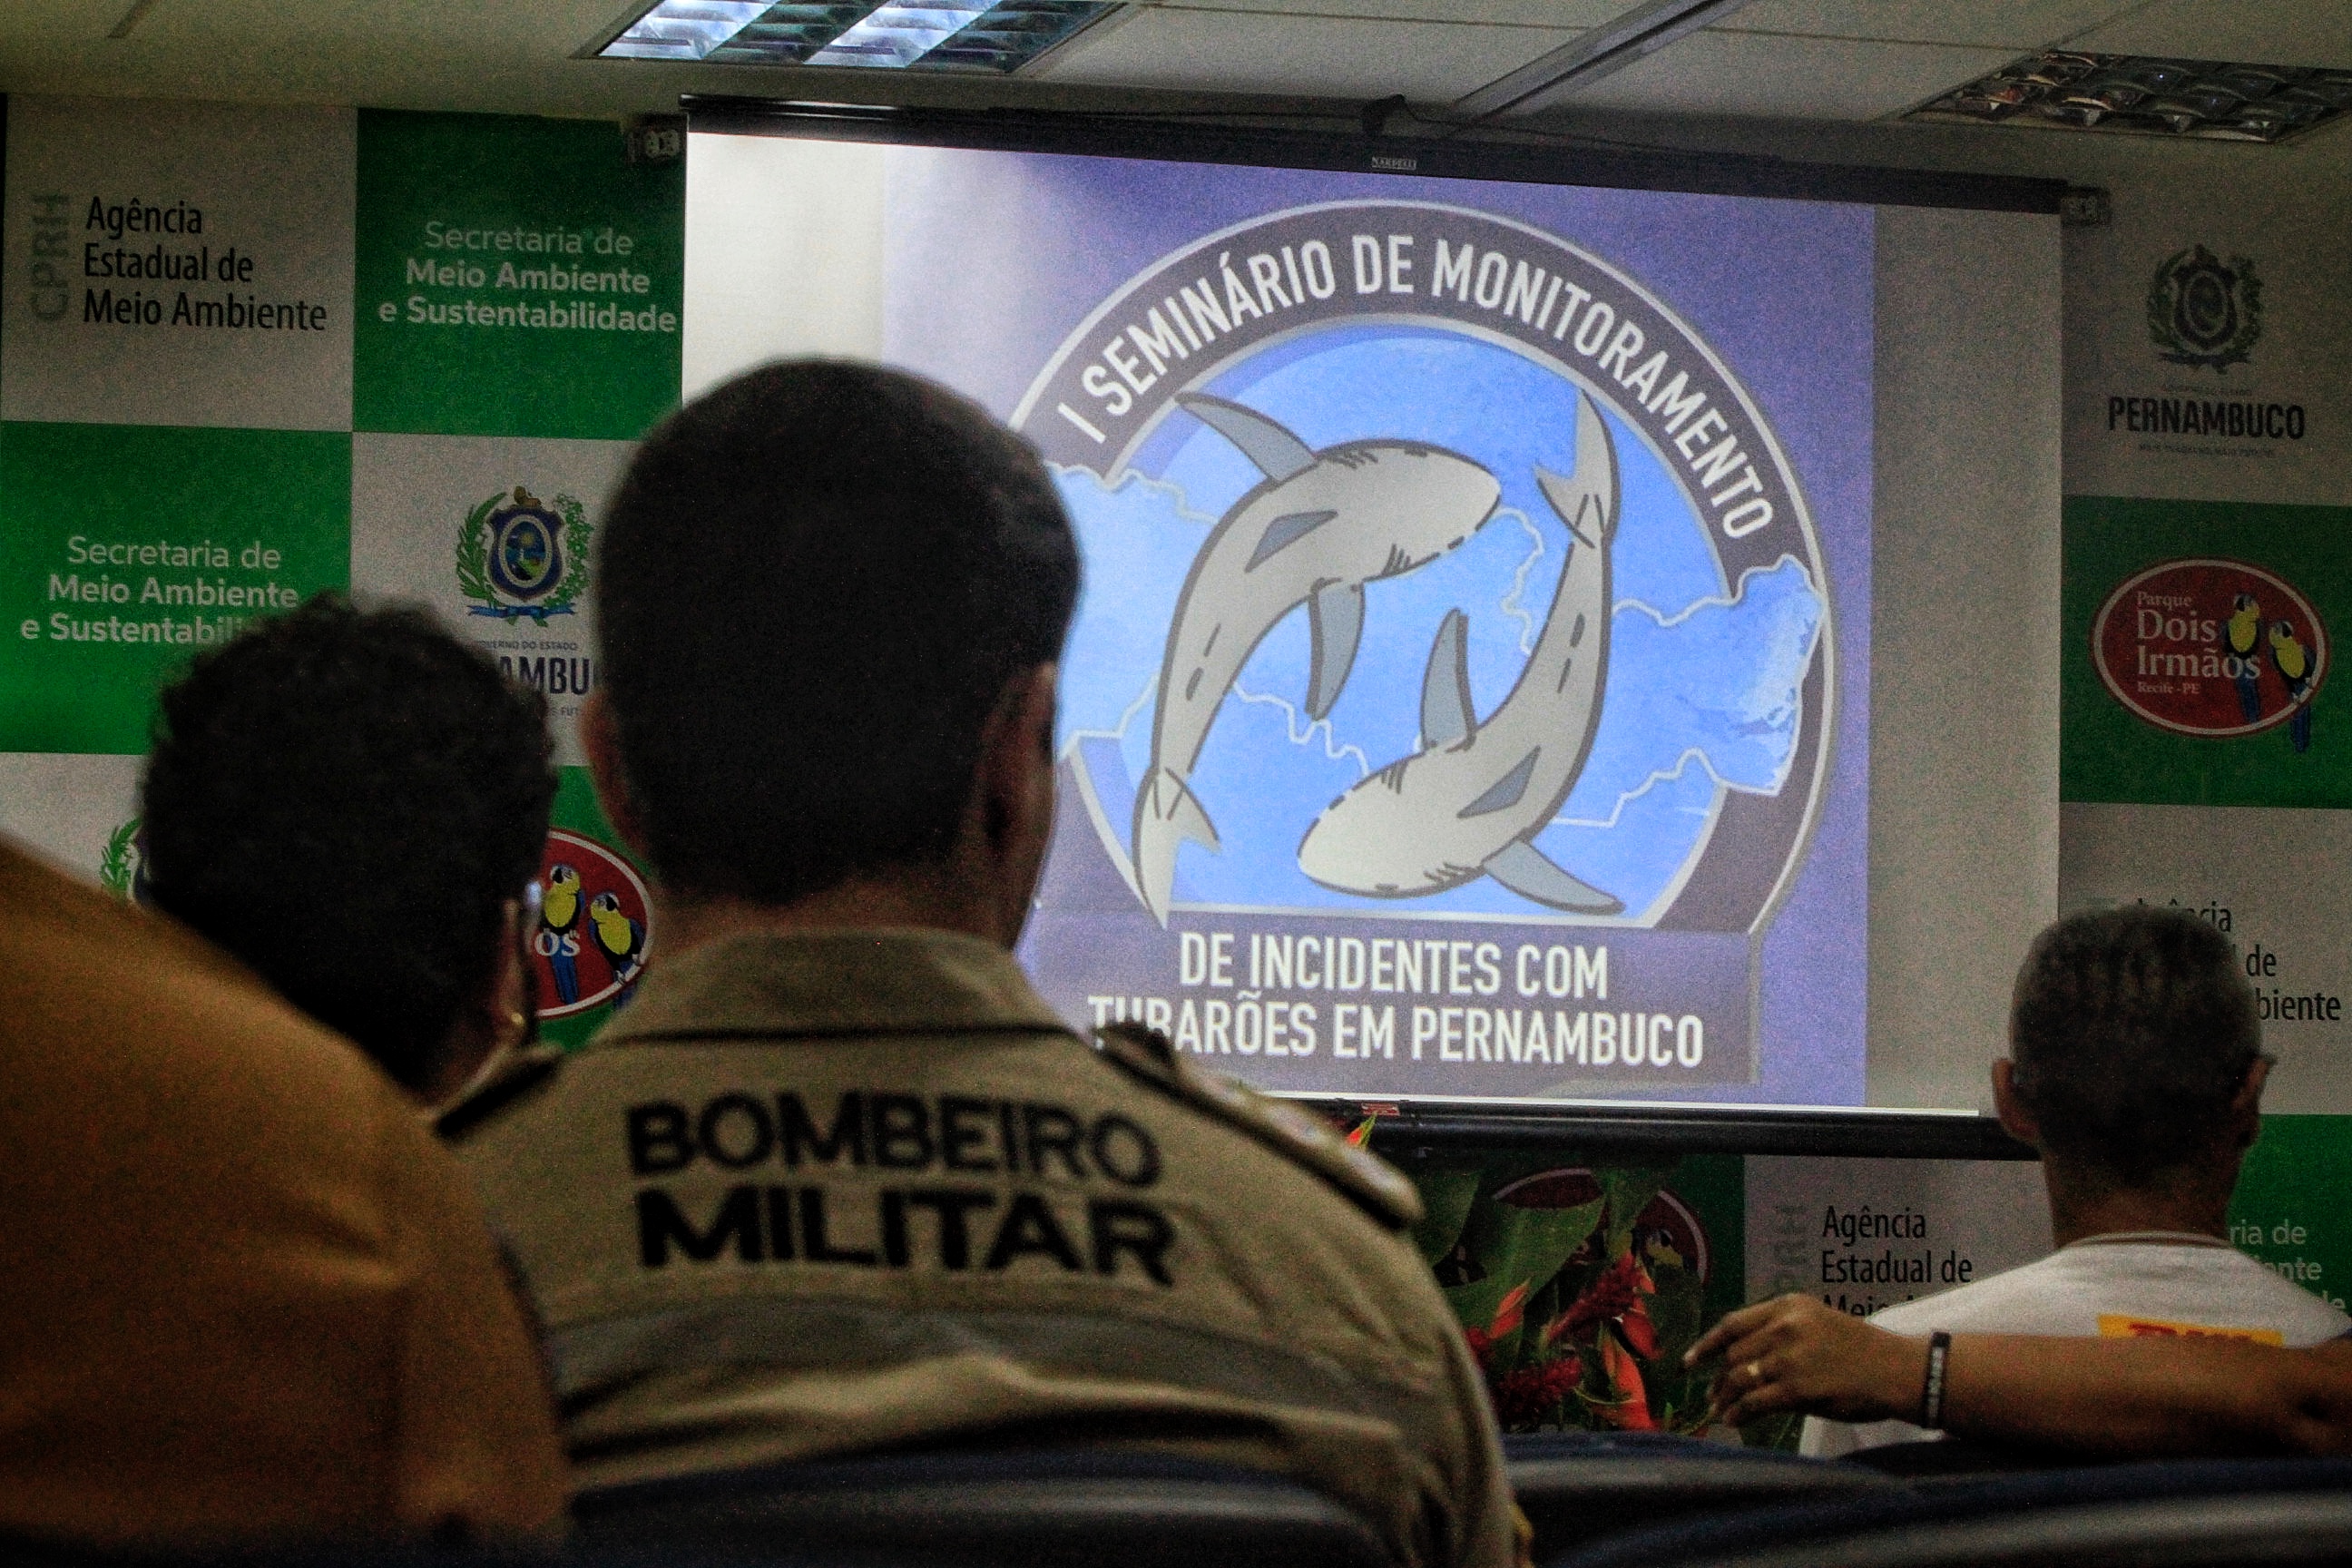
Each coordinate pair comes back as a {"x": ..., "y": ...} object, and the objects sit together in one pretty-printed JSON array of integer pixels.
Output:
[
  {"x": 1468, "y": 803},
  {"x": 1319, "y": 527}
]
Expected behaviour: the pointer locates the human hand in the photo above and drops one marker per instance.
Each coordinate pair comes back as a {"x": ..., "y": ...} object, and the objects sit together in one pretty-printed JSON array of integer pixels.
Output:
[{"x": 1794, "y": 1353}]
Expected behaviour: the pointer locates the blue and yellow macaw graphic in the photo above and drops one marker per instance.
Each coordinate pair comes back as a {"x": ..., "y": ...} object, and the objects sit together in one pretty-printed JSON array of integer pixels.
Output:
[
  {"x": 559, "y": 913},
  {"x": 621, "y": 940},
  {"x": 2293, "y": 661},
  {"x": 2245, "y": 633}
]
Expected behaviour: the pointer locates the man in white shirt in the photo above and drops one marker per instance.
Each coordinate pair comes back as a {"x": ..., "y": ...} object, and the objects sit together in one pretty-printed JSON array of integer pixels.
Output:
[{"x": 2135, "y": 1068}]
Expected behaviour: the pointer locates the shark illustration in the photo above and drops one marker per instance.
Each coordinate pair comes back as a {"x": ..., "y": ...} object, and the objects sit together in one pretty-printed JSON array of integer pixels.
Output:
[
  {"x": 1319, "y": 527},
  {"x": 1469, "y": 802}
]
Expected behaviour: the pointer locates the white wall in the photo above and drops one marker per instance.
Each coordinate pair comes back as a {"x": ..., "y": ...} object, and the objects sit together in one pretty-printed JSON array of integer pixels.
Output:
[
  {"x": 1965, "y": 640},
  {"x": 799, "y": 272}
]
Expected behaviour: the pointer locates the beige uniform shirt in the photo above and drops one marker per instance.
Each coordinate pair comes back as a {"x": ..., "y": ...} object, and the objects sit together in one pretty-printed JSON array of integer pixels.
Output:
[
  {"x": 243, "y": 1291},
  {"x": 813, "y": 1194}
]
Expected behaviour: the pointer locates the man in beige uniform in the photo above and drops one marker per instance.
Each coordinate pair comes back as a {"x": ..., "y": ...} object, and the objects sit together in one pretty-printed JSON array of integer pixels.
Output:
[
  {"x": 243, "y": 1293},
  {"x": 838, "y": 1179}
]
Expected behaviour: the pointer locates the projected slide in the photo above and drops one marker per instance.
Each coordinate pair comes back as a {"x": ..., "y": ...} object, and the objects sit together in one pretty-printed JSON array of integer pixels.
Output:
[{"x": 1473, "y": 576}]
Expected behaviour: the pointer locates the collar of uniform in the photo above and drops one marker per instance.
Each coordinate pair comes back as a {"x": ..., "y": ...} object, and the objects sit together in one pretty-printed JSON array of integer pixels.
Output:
[
  {"x": 2148, "y": 1239},
  {"x": 873, "y": 982}
]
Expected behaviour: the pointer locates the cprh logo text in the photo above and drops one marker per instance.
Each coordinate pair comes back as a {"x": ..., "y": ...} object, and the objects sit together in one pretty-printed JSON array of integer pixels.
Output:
[
  {"x": 595, "y": 928},
  {"x": 2212, "y": 648}
]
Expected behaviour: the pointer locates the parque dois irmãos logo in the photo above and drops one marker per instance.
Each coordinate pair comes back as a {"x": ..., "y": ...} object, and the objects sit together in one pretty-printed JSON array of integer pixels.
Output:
[
  {"x": 594, "y": 927},
  {"x": 2211, "y": 648}
]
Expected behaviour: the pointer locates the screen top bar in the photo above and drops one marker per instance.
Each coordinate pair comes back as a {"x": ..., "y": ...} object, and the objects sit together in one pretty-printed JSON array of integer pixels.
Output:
[{"x": 1590, "y": 165}]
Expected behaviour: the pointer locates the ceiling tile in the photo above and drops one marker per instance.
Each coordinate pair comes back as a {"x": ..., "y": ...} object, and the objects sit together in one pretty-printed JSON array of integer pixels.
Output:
[
  {"x": 2256, "y": 32},
  {"x": 1515, "y": 13},
  {"x": 395, "y": 53},
  {"x": 2017, "y": 24},
  {"x": 1322, "y": 57},
  {"x": 1772, "y": 76}
]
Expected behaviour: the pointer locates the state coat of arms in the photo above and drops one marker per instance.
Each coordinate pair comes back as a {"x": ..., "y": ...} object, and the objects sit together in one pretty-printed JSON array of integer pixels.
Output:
[
  {"x": 2203, "y": 312},
  {"x": 519, "y": 557}
]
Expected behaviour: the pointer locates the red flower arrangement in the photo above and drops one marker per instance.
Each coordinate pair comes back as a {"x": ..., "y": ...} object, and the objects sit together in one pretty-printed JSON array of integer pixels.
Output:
[
  {"x": 1525, "y": 1398},
  {"x": 1617, "y": 1293},
  {"x": 1592, "y": 1352}
]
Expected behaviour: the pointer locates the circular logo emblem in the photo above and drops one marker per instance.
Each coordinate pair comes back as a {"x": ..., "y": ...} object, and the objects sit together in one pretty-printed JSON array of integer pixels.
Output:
[
  {"x": 2211, "y": 648},
  {"x": 595, "y": 926},
  {"x": 526, "y": 552},
  {"x": 2202, "y": 312},
  {"x": 1566, "y": 652}
]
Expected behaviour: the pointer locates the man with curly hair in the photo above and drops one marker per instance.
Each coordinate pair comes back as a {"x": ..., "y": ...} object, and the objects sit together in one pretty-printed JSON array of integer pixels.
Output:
[{"x": 353, "y": 802}]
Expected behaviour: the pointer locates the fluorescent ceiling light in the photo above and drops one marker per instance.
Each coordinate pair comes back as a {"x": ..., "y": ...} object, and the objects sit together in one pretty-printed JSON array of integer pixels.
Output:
[
  {"x": 995, "y": 35},
  {"x": 896, "y": 34},
  {"x": 684, "y": 29},
  {"x": 2058, "y": 89}
]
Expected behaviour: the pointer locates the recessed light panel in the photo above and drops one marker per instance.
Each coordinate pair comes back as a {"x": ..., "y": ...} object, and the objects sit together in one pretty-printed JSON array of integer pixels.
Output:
[
  {"x": 996, "y": 35},
  {"x": 2213, "y": 99}
]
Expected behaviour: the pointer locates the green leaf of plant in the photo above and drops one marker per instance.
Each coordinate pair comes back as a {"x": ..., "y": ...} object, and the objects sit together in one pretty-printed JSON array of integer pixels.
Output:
[
  {"x": 1445, "y": 1200},
  {"x": 1516, "y": 1246},
  {"x": 577, "y": 531},
  {"x": 114, "y": 868},
  {"x": 474, "y": 552},
  {"x": 1780, "y": 1432},
  {"x": 1675, "y": 1312},
  {"x": 1628, "y": 1189}
]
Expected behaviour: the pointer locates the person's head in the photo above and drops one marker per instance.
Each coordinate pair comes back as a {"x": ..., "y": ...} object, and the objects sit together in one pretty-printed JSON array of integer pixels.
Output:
[
  {"x": 2134, "y": 1049},
  {"x": 353, "y": 802},
  {"x": 830, "y": 599}
]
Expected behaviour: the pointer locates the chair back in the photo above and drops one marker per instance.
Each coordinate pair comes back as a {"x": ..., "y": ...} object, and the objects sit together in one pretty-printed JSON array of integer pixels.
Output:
[
  {"x": 1054, "y": 1508},
  {"x": 2207, "y": 1512},
  {"x": 1577, "y": 1487}
]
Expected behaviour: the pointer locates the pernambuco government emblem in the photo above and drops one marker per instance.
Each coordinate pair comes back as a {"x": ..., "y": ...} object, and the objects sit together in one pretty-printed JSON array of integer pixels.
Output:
[
  {"x": 522, "y": 558},
  {"x": 2202, "y": 312}
]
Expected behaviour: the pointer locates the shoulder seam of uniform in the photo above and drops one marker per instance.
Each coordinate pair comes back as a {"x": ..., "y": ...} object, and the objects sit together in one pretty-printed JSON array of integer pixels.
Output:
[
  {"x": 1267, "y": 1137},
  {"x": 501, "y": 1094}
]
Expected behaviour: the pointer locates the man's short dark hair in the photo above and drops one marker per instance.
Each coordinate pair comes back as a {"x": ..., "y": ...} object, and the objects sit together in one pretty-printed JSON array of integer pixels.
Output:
[
  {"x": 346, "y": 801},
  {"x": 815, "y": 585},
  {"x": 2132, "y": 1031}
]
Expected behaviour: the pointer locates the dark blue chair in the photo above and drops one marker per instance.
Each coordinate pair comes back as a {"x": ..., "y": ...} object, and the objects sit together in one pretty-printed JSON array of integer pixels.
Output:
[
  {"x": 1026, "y": 1509},
  {"x": 1577, "y": 1488},
  {"x": 1964, "y": 1458},
  {"x": 2211, "y": 1513}
]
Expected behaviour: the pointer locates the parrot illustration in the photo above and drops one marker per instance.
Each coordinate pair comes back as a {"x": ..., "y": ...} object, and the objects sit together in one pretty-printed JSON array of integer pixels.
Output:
[
  {"x": 2293, "y": 661},
  {"x": 1658, "y": 1248},
  {"x": 558, "y": 914},
  {"x": 2245, "y": 642},
  {"x": 621, "y": 940}
]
